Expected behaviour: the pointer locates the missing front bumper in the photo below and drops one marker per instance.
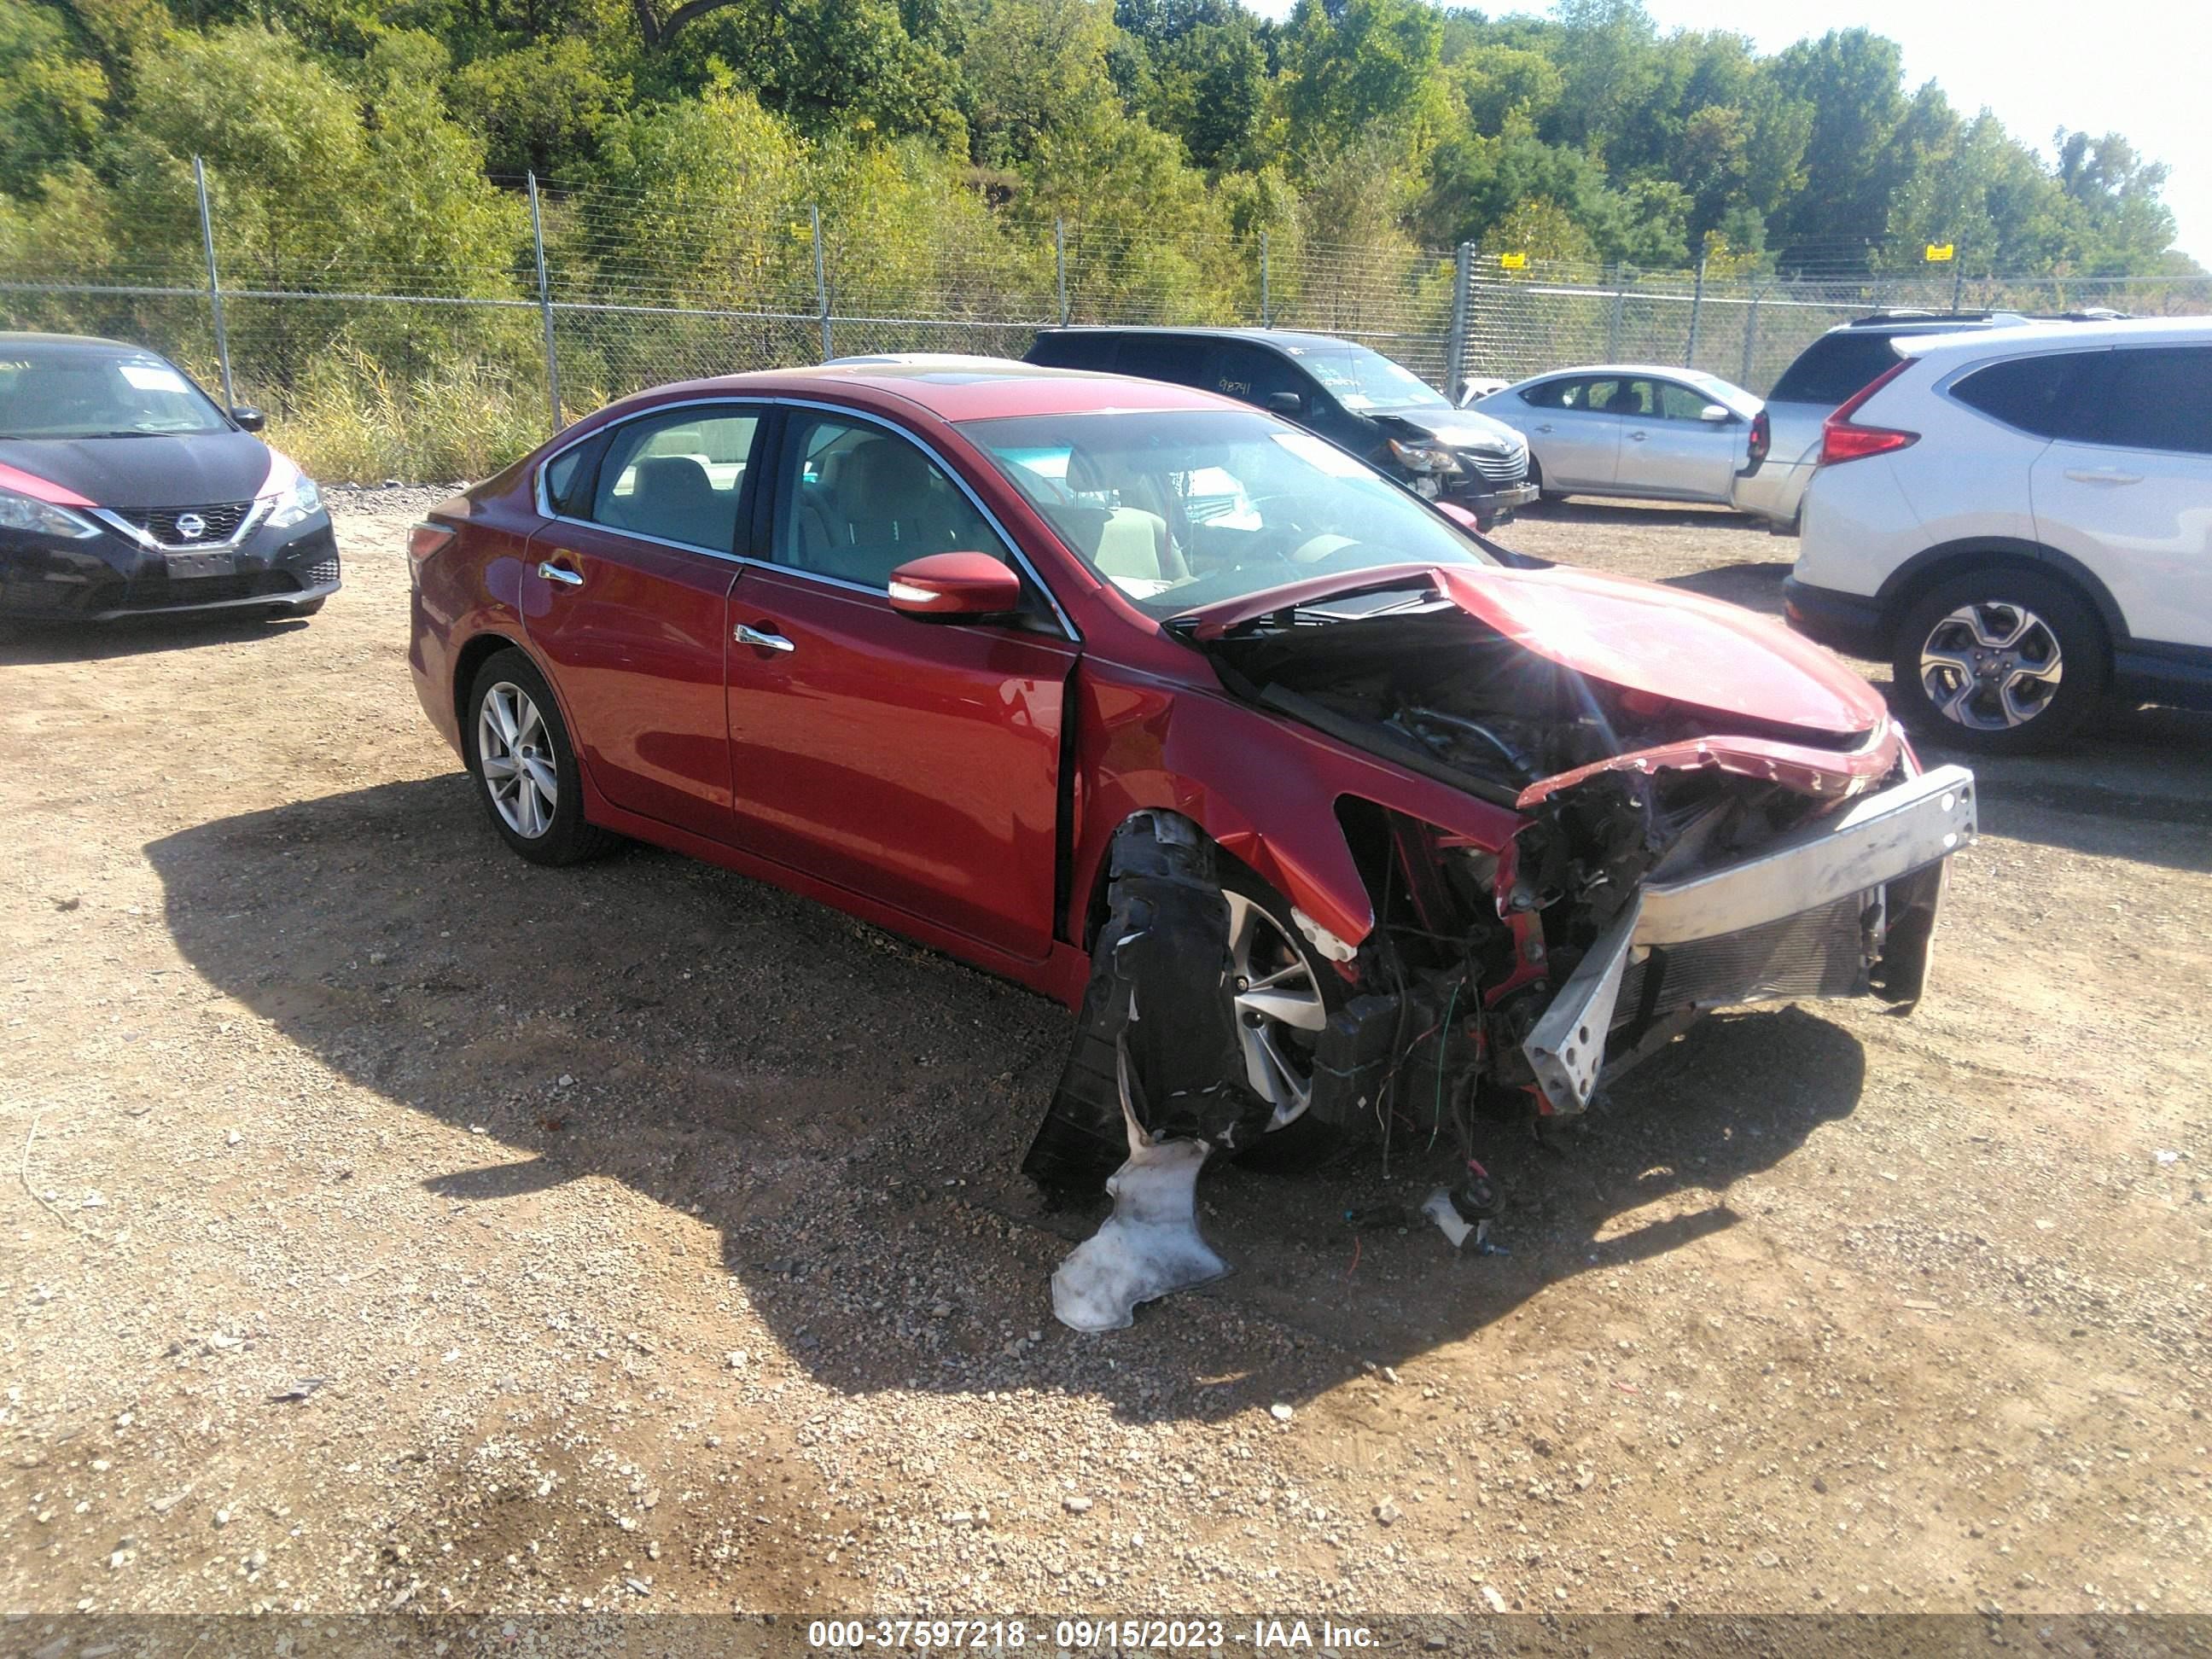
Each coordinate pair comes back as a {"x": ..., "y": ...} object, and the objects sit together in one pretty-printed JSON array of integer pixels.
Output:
[{"x": 1780, "y": 923}]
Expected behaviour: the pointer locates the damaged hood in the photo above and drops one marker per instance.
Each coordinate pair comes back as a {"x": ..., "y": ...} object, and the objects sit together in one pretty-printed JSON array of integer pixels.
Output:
[{"x": 1660, "y": 640}]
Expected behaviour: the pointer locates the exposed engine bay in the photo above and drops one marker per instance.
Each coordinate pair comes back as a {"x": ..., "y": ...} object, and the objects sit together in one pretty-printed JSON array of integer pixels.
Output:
[{"x": 1656, "y": 861}]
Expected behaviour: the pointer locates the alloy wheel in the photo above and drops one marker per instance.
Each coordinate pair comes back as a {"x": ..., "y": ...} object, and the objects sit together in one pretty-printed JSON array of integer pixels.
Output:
[
  {"x": 515, "y": 751},
  {"x": 1991, "y": 666},
  {"x": 1280, "y": 1010}
]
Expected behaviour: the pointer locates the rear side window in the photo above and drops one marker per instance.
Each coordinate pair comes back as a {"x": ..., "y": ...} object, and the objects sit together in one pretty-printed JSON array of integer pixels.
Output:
[
  {"x": 1169, "y": 357},
  {"x": 2034, "y": 394},
  {"x": 678, "y": 477},
  {"x": 2154, "y": 397},
  {"x": 567, "y": 479},
  {"x": 1072, "y": 351},
  {"x": 1555, "y": 394},
  {"x": 1834, "y": 368},
  {"x": 1252, "y": 374}
]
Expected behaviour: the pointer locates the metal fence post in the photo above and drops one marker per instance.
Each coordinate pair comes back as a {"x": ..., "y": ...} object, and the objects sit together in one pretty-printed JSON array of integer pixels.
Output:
[
  {"x": 545, "y": 308},
  {"x": 820, "y": 282},
  {"x": 1456, "y": 346},
  {"x": 1750, "y": 334},
  {"x": 1612, "y": 323},
  {"x": 1958, "y": 279},
  {"x": 214, "y": 285},
  {"x": 1697, "y": 304},
  {"x": 1267, "y": 305},
  {"x": 1060, "y": 266}
]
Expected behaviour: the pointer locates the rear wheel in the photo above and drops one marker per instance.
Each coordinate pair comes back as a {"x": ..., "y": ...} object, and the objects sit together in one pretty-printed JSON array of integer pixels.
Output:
[
  {"x": 518, "y": 752},
  {"x": 2001, "y": 661}
]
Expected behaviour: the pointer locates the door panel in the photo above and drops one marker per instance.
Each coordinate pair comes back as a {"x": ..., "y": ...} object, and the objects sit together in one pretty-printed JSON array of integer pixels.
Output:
[
  {"x": 632, "y": 627},
  {"x": 1670, "y": 452},
  {"x": 1576, "y": 437},
  {"x": 913, "y": 762},
  {"x": 2126, "y": 488}
]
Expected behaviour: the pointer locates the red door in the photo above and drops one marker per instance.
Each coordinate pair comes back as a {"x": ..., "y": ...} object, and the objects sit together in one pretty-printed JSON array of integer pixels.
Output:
[
  {"x": 912, "y": 762},
  {"x": 626, "y": 598}
]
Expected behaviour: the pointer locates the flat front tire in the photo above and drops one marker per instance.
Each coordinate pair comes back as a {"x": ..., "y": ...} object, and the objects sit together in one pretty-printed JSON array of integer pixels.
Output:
[
  {"x": 519, "y": 753},
  {"x": 2000, "y": 661}
]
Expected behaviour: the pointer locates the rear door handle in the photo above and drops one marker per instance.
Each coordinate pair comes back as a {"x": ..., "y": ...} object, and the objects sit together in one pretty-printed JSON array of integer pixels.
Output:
[
  {"x": 554, "y": 572},
  {"x": 754, "y": 637},
  {"x": 1636, "y": 437},
  {"x": 1545, "y": 428},
  {"x": 2104, "y": 475}
]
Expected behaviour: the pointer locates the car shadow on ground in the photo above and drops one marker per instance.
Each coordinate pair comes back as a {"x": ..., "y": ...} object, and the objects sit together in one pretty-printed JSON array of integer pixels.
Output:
[
  {"x": 849, "y": 1111},
  {"x": 1646, "y": 515},
  {"x": 1755, "y": 585},
  {"x": 25, "y": 643}
]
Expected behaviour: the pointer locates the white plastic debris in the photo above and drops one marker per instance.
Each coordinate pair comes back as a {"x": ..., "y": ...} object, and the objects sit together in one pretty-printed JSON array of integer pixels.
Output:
[
  {"x": 1441, "y": 1210},
  {"x": 1150, "y": 1245}
]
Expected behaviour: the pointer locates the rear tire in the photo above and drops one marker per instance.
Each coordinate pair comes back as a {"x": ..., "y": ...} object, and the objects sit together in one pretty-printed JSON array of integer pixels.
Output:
[
  {"x": 2000, "y": 661},
  {"x": 517, "y": 750}
]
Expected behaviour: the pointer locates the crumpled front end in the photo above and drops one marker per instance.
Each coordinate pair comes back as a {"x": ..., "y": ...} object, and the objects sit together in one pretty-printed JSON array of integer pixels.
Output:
[{"x": 1660, "y": 854}]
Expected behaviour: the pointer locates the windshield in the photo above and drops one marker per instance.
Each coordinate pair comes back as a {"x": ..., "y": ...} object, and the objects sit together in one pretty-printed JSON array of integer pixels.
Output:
[
  {"x": 72, "y": 392},
  {"x": 1363, "y": 380},
  {"x": 1189, "y": 507}
]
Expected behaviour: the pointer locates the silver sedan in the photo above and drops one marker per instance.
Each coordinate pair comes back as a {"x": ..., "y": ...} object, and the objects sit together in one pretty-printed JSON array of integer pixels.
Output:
[{"x": 1634, "y": 429}]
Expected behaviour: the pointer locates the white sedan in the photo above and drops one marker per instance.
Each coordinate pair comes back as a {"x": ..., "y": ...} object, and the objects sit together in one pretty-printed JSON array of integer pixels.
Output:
[{"x": 1634, "y": 429}]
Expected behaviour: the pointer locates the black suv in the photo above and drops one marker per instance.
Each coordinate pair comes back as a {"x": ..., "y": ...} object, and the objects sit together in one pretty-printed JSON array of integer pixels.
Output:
[{"x": 1356, "y": 399}]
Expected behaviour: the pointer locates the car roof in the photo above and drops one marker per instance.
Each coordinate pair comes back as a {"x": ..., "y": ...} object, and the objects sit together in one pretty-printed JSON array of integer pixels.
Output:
[
  {"x": 88, "y": 345},
  {"x": 1289, "y": 341},
  {"x": 2032, "y": 338},
  {"x": 1661, "y": 371},
  {"x": 957, "y": 388}
]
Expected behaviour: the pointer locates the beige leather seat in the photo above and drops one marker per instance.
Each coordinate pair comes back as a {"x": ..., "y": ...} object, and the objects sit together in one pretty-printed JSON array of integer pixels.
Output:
[{"x": 1124, "y": 541}]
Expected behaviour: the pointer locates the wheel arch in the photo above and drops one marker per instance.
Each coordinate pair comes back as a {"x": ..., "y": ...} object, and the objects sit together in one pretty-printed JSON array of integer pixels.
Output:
[
  {"x": 479, "y": 649},
  {"x": 1911, "y": 580}
]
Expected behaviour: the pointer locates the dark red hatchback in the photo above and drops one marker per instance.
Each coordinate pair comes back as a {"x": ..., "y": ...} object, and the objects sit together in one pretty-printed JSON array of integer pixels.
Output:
[{"x": 1308, "y": 796}]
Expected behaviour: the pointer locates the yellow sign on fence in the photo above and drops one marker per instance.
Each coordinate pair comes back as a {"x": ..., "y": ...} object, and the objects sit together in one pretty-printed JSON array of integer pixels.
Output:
[
  {"x": 1513, "y": 261},
  {"x": 1940, "y": 252}
]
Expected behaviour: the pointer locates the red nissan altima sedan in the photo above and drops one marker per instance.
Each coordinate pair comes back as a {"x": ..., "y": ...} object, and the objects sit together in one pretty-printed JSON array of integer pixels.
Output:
[{"x": 1309, "y": 798}]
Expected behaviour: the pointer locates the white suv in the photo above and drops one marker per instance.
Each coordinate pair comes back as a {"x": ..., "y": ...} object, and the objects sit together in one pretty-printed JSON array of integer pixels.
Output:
[{"x": 2020, "y": 519}]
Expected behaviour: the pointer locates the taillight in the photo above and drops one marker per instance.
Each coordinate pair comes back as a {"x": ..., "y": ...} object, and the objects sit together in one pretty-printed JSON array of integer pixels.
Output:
[
  {"x": 423, "y": 541},
  {"x": 1842, "y": 438},
  {"x": 1762, "y": 437}
]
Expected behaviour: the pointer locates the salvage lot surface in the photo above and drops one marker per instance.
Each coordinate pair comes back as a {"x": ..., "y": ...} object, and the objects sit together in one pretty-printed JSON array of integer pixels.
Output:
[{"x": 397, "y": 1224}]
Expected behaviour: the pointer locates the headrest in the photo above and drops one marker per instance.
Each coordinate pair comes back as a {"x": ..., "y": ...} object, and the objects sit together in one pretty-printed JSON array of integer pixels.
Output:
[
  {"x": 882, "y": 476},
  {"x": 673, "y": 480}
]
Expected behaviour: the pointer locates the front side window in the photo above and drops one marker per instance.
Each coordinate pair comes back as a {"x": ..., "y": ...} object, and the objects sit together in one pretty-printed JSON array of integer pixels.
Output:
[
  {"x": 677, "y": 476},
  {"x": 48, "y": 391},
  {"x": 1678, "y": 402},
  {"x": 1251, "y": 375},
  {"x": 855, "y": 501},
  {"x": 1182, "y": 508},
  {"x": 2154, "y": 398}
]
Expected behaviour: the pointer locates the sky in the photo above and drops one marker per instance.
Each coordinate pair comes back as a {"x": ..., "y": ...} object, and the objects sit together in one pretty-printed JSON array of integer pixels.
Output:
[{"x": 2131, "y": 66}]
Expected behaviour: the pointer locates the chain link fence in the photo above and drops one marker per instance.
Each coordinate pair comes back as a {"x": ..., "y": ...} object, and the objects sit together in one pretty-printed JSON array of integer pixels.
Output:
[{"x": 371, "y": 368}]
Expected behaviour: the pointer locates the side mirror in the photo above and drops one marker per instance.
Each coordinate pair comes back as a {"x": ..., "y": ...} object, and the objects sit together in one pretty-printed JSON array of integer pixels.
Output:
[
  {"x": 249, "y": 418},
  {"x": 1285, "y": 403},
  {"x": 1714, "y": 414},
  {"x": 955, "y": 587}
]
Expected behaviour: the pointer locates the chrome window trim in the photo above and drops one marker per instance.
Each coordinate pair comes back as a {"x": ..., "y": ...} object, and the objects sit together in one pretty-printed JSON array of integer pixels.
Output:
[
  {"x": 844, "y": 411},
  {"x": 261, "y": 508}
]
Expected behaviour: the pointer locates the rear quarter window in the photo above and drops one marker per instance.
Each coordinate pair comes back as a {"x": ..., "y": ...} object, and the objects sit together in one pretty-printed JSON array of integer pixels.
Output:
[
  {"x": 2040, "y": 395},
  {"x": 1834, "y": 369},
  {"x": 1075, "y": 350}
]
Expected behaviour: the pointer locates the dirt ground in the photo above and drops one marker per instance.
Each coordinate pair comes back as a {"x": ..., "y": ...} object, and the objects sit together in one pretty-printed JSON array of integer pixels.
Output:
[{"x": 387, "y": 1223}]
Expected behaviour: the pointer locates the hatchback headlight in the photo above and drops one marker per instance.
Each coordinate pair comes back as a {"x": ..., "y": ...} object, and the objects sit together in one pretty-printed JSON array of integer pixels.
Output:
[
  {"x": 295, "y": 504},
  {"x": 1425, "y": 456},
  {"x": 28, "y": 513}
]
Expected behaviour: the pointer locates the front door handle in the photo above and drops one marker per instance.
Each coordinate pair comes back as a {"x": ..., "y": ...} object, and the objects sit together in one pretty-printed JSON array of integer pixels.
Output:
[
  {"x": 1636, "y": 437},
  {"x": 1545, "y": 428},
  {"x": 555, "y": 573},
  {"x": 754, "y": 637},
  {"x": 2103, "y": 475}
]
